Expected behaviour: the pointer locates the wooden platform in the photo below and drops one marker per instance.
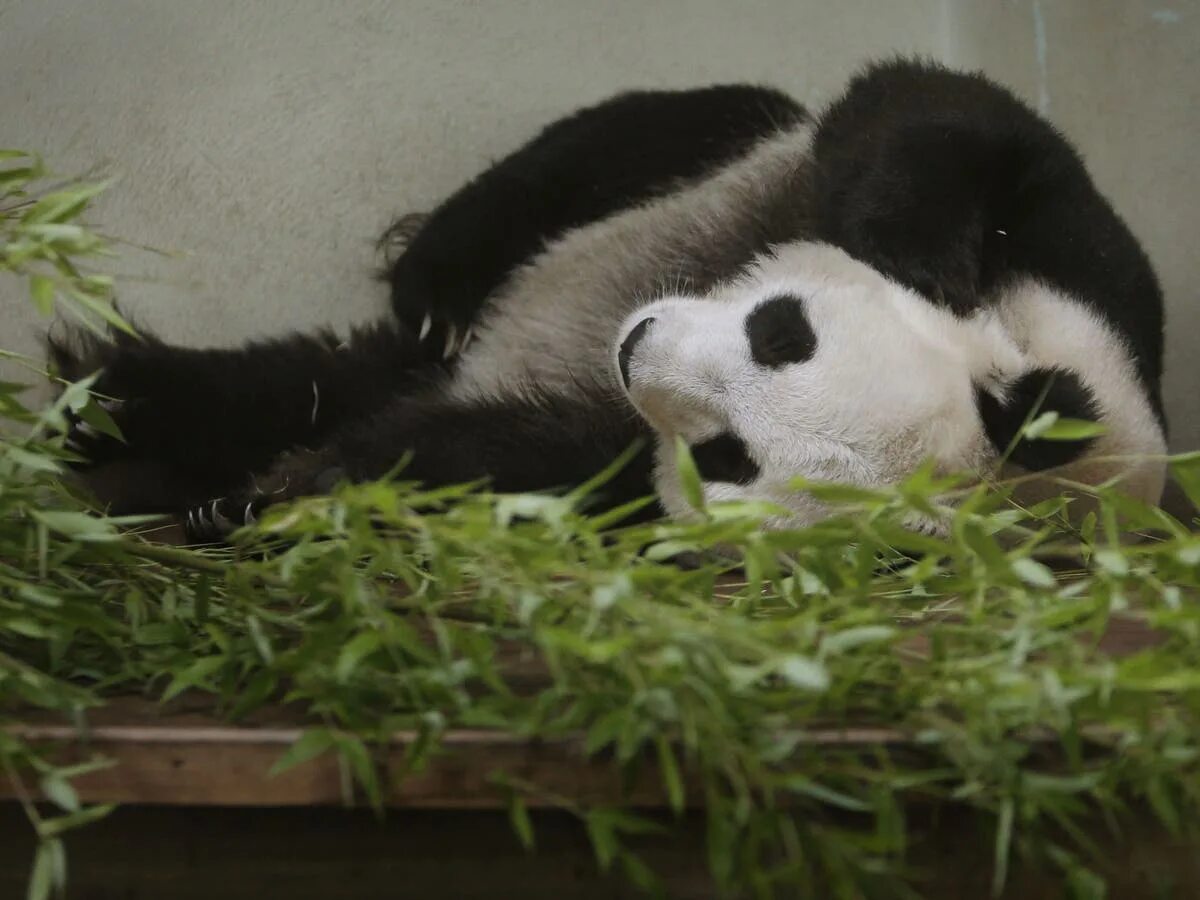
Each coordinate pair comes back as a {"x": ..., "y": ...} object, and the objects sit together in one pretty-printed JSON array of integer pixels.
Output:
[
  {"x": 181, "y": 754},
  {"x": 202, "y": 818}
]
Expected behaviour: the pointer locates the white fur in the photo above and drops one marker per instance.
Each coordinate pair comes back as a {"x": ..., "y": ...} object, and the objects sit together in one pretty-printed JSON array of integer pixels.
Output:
[
  {"x": 892, "y": 381},
  {"x": 891, "y": 384}
]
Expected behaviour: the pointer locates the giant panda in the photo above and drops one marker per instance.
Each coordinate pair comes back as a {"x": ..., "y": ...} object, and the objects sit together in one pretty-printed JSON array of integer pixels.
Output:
[{"x": 907, "y": 276}]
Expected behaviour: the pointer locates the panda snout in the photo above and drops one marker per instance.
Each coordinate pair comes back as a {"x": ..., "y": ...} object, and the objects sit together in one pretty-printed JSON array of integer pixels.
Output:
[{"x": 625, "y": 353}]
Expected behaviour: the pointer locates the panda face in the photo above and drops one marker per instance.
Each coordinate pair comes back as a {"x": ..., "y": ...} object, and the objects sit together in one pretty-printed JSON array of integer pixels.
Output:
[{"x": 810, "y": 365}]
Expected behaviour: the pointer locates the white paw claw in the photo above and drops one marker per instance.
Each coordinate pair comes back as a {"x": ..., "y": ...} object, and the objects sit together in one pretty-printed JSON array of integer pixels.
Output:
[
  {"x": 451, "y": 342},
  {"x": 426, "y": 325},
  {"x": 85, "y": 429},
  {"x": 248, "y": 516},
  {"x": 222, "y": 523},
  {"x": 110, "y": 406}
]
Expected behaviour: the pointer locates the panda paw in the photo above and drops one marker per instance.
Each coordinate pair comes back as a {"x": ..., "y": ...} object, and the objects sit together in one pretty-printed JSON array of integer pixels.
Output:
[
  {"x": 399, "y": 235},
  {"x": 298, "y": 474},
  {"x": 441, "y": 335},
  {"x": 452, "y": 338},
  {"x": 442, "y": 331}
]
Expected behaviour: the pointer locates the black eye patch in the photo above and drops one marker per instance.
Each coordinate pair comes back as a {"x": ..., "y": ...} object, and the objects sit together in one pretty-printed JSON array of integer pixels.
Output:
[
  {"x": 725, "y": 458},
  {"x": 780, "y": 333}
]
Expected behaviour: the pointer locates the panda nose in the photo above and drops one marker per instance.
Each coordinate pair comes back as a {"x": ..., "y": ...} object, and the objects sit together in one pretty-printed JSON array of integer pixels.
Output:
[{"x": 627, "y": 347}]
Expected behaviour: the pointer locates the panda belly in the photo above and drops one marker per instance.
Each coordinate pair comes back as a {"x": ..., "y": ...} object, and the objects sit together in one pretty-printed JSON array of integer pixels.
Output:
[{"x": 552, "y": 325}]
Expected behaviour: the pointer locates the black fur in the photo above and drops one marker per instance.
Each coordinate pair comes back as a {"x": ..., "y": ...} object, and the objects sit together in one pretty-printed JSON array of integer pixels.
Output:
[
  {"x": 453, "y": 443},
  {"x": 211, "y": 417},
  {"x": 1036, "y": 392},
  {"x": 601, "y": 159},
  {"x": 951, "y": 185},
  {"x": 780, "y": 333},
  {"x": 625, "y": 351},
  {"x": 725, "y": 458}
]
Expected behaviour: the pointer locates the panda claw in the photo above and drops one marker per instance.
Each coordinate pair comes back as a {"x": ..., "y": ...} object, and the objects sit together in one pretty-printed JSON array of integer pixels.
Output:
[
  {"x": 222, "y": 524},
  {"x": 248, "y": 516},
  {"x": 87, "y": 430},
  {"x": 426, "y": 325},
  {"x": 111, "y": 406},
  {"x": 452, "y": 345}
]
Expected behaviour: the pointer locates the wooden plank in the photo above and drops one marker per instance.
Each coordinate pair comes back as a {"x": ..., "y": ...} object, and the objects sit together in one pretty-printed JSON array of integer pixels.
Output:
[
  {"x": 182, "y": 756},
  {"x": 181, "y": 753},
  {"x": 215, "y": 765}
]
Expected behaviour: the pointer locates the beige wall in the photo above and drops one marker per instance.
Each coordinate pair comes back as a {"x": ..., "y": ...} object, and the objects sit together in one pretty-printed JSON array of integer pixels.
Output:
[{"x": 270, "y": 141}]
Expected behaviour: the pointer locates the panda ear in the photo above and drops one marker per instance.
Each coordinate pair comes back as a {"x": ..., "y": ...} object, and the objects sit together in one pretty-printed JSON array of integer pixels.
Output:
[{"x": 1038, "y": 391}]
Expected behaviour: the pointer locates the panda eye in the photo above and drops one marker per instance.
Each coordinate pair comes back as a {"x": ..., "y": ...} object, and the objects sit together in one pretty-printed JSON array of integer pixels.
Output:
[
  {"x": 725, "y": 458},
  {"x": 780, "y": 333}
]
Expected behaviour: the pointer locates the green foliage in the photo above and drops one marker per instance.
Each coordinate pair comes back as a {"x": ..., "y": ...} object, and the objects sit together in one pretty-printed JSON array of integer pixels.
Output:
[
  {"x": 42, "y": 239},
  {"x": 1008, "y": 707}
]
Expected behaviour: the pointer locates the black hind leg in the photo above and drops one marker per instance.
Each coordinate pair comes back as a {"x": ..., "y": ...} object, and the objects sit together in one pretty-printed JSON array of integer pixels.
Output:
[
  {"x": 577, "y": 170},
  {"x": 197, "y": 422},
  {"x": 517, "y": 445}
]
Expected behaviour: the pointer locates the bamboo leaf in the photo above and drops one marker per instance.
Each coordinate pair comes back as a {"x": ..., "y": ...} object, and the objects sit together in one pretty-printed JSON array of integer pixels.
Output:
[
  {"x": 308, "y": 746},
  {"x": 670, "y": 775},
  {"x": 41, "y": 880},
  {"x": 41, "y": 291},
  {"x": 518, "y": 815},
  {"x": 1003, "y": 846},
  {"x": 804, "y": 673},
  {"x": 803, "y": 785},
  {"x": 59, "y": 792},
  {"x": 1068, "y": 430},
  {"x": 689, "y": 475}
]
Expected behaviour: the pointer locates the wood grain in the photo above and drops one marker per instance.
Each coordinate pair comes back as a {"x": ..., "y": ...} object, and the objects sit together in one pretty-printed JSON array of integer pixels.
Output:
[{"x": 182, "y": 753}]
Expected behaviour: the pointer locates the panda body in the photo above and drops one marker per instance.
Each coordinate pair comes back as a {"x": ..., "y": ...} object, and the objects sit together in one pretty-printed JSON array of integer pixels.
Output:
[
  {"x": 542, "y": 326},
  {"x": 911, "y": 276}
]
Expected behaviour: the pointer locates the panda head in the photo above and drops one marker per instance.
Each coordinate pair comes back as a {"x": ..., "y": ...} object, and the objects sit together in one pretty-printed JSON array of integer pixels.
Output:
[{"x": 816, "y": 366}]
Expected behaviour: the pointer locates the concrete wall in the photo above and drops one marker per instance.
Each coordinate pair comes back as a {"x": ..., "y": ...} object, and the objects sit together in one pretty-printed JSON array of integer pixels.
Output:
[{"x": 270, "y": 141}]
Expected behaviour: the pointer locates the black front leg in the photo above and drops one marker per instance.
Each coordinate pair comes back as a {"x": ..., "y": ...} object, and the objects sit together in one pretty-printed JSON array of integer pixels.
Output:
[
  {"x": 197, "y": 422},
  {"x": 533, "y": 443}
]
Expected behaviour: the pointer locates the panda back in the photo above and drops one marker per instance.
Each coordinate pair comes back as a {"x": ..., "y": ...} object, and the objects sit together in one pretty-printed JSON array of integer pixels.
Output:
[{"x": 553, "y": 322}]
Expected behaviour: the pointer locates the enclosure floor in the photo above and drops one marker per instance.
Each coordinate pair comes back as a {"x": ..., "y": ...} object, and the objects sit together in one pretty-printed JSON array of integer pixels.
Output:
[{"x": 173, "y": 853}]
